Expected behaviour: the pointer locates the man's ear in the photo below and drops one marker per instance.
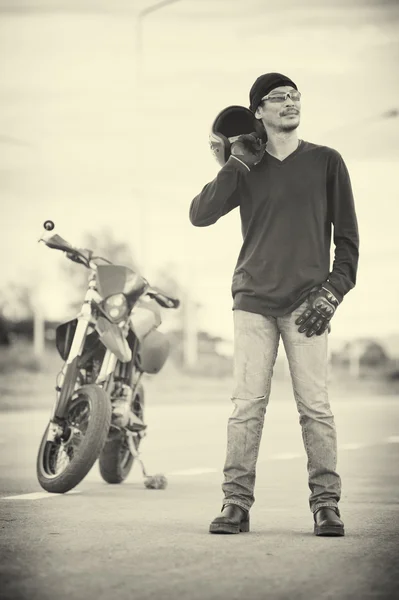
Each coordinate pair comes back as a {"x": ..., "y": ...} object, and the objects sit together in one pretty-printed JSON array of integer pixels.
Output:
[{"x": 257, "y": 113}]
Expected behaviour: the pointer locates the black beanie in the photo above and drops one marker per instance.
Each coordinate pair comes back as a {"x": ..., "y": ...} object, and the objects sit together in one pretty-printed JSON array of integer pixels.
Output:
[{"x": 265, "y": 84}]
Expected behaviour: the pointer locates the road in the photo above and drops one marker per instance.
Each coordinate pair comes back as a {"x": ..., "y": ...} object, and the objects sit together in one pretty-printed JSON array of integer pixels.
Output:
[{"x": 125, "y": 541}]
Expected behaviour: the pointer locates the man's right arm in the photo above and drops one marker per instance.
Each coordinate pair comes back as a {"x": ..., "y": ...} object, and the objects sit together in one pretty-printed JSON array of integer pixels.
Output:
[{"x": 220, "y": 196}]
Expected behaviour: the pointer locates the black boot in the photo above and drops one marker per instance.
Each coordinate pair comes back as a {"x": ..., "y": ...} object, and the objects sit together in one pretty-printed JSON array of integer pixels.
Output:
[
  {"x": 232, "y": 519},
  {"x": 327, "y": 522}
]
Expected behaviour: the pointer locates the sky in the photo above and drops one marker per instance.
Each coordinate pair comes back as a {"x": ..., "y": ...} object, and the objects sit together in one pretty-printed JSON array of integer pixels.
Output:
[{"x": 97, "y": 131}]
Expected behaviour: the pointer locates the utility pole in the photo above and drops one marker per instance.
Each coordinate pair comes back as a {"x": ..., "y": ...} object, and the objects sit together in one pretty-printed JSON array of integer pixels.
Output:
[
  {"x": 38, "y": 318},
  {"x": 189, "y": 307},
  {"x": 355, "y": 352},
  {"x": 38, "y": 332},
  {"x": 139, "y": 84},
  {"x": 190, "y": 331}
]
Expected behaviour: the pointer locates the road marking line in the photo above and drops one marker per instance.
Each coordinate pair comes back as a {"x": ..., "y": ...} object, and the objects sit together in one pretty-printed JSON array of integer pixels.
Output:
[
  {"x": 198, "y": 471},
  {"x": 286, "y": 456},
  {"x": 351, "y": 446},
  {"x": 38, "y": 495},
  {"x": 394, "y": 439}
]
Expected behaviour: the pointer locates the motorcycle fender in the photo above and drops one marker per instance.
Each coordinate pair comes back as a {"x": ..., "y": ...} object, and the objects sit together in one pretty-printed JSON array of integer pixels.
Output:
[
  {"x": 64, "y": 337},
  {"x": 113, "y": 339},
  {"x": 153, "y": 352}
]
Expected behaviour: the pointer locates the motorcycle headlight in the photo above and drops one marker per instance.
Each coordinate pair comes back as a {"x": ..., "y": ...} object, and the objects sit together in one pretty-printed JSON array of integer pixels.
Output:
[{"x": 116, "y": 307}]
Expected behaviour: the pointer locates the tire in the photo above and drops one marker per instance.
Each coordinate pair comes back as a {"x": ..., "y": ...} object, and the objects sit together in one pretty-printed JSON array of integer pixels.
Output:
[
  {"x": 116, "y": 460},
  {"x": 83, "y": 456}
]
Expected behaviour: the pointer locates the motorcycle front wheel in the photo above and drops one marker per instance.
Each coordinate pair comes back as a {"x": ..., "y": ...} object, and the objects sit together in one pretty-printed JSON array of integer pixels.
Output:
[{"x": 63, "y": 463}]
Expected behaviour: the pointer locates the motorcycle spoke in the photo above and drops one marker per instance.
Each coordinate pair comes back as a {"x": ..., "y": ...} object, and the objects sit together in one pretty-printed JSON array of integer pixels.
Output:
[
  {"x": 62, "y": 460},
  {"x": 60, "y": 453},
  {"x": 57, "y": 458}
]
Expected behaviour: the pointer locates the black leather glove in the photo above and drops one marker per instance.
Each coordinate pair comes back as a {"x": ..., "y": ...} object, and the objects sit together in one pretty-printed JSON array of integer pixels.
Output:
[
  {"x": 316, "y": 318},
  {"x": 248, "y": 148}
]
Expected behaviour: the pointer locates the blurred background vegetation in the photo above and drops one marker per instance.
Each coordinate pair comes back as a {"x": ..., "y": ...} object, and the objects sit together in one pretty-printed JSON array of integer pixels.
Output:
[{"x": 93, "y": 94}]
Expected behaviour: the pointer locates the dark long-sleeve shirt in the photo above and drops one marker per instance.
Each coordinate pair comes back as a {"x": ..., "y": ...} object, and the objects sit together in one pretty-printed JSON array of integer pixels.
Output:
[{"x": 287, "y": 211}]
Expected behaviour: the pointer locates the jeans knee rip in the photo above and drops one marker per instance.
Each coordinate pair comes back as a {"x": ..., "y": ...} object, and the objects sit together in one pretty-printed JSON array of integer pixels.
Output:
[{"x": 247, "y": 399}]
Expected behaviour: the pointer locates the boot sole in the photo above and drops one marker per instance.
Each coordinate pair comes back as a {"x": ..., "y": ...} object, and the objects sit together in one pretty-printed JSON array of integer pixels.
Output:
[
  {"x": 229, "y": 528},
  {"x": 329, "y": 531}
]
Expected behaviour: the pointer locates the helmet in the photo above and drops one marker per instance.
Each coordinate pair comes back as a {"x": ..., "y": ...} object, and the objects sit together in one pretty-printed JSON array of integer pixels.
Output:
[{"x": 229, "y": 124}]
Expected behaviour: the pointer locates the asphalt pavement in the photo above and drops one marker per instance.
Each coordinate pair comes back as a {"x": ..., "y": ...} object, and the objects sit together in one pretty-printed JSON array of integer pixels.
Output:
[{"x": 125, "y": 541}]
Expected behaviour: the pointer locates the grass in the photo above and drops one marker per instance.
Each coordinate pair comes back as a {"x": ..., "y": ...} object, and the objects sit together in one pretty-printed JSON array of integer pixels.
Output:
[
  {"x": 27, "y": 383},
  {"x": 17, "y": 358}
]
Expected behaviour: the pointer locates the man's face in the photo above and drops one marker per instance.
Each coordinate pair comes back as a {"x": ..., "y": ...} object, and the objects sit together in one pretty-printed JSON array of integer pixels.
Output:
[{"x": 279, "y": 114}]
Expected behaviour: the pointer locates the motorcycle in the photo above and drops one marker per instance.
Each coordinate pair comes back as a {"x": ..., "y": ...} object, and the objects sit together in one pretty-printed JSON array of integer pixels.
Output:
[{"x": 98, "y": 411}]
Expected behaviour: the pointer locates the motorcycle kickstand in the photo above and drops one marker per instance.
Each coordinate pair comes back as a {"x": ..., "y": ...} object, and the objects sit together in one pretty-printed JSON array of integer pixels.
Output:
[
  {"x": 153, "y": 482},
  {"x": 135, "y": 453}
]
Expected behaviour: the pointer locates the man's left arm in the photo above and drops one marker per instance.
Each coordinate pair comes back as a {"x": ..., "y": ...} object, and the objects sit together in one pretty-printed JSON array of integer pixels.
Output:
[
  {"x": 324, "y": 300},
  {"x": 342, "y": 212}
]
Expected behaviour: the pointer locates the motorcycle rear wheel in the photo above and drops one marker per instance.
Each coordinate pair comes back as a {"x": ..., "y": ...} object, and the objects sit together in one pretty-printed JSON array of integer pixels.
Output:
[
  {"x": 88, "y": 420},
  {"x": 116, "y": 460}
]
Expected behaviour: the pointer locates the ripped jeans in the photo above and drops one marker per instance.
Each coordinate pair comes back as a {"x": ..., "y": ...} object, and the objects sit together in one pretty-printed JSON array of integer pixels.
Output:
[{"x": 256, "y": 340}]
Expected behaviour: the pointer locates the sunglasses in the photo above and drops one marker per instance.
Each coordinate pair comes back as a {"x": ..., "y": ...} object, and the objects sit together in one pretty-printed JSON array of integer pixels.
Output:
[{"x": 282, "y": 96}]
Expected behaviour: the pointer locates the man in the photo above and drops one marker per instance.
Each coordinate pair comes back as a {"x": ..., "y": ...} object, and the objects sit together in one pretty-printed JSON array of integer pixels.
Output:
[{"x": 289, "y": 193}]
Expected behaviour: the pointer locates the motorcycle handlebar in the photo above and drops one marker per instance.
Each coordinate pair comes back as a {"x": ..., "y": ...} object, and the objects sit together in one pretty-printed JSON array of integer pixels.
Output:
[
  {"x": 163, "y": 299},
  {"x": 85, "y": 257}
]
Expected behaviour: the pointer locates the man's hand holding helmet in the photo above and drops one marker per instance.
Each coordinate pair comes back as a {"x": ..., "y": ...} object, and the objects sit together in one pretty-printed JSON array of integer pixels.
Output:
[
  {"x": 236, "y": 132},
  {"x": 248, "y": 148}
]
